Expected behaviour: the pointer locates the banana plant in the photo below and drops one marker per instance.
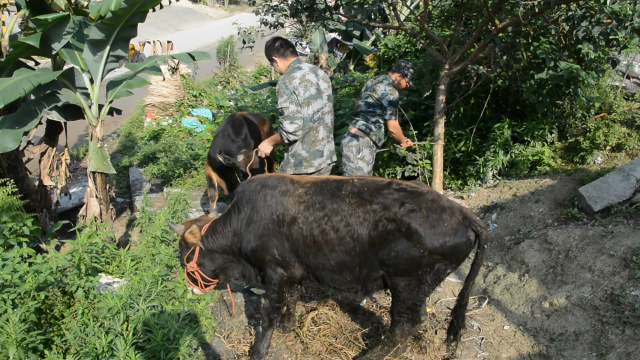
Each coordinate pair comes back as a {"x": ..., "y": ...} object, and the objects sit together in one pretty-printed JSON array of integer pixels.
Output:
[{"x": 85, "y": 48}]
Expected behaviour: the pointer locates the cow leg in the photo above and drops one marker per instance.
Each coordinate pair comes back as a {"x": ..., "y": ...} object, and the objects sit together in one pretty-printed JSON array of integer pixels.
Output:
[
  {"x": 289, "y": 318},
  {"x": 408, "y": 300},
  {"x": 272, "y": 307},
  {"x": 212, "y": 187}
]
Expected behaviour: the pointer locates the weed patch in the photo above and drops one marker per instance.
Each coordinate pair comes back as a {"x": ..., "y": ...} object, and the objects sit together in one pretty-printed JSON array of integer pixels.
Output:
[{"x": 50, "y": 308}]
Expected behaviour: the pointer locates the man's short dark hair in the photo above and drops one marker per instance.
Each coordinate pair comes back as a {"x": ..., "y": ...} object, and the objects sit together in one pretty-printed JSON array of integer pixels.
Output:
[{"x": 279, "y": 47}]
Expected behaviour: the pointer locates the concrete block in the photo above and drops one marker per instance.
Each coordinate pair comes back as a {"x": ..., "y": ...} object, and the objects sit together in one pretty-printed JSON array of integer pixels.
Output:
[
  {"x": 77, "y": 190},
  {"x": 138, "y": 182},
  {"x": 615, "y": 187}
]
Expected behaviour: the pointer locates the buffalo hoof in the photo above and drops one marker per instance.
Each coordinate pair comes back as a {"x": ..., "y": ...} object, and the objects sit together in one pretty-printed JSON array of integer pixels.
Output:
[{"x": 289, "y": 322}]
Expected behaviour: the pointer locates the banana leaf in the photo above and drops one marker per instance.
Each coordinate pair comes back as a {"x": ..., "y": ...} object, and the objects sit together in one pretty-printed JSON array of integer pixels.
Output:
[{"x": 23, "y": 82}]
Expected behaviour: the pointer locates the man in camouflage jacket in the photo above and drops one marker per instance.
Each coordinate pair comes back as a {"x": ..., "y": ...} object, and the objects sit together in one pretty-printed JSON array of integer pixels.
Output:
[
  {"x": 305, "y": 105},
  {"x": 376, "y": 107}
]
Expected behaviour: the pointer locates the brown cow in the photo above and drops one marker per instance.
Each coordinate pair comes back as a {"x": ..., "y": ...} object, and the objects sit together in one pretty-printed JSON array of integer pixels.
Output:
[{"x": 232, "y": 159}]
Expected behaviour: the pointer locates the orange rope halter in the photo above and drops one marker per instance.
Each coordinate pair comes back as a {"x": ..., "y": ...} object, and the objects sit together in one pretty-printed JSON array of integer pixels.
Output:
[
  {"x": 253, "y": 158},
  {"x": 191, "y": 268}
]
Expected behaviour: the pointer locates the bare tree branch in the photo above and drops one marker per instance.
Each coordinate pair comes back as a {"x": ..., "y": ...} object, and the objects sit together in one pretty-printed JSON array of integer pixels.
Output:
[
  {"x": 458, "y": 27},
  {"x": 480, "y": 29}
]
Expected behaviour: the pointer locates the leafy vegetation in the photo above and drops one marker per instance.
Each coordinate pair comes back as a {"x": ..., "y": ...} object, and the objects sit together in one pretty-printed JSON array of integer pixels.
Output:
[
  {"x": 85, "y": 43},
  {"x": 176, "y": 154},
  {"x": 501, "y": 71},
  {"x": 50, "y": 309}
]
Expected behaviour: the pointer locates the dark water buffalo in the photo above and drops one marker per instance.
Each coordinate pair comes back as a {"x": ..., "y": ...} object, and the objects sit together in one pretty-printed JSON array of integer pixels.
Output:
[
  {"x": 360, "y": 234},
  {"x": 231, "y": 159}
]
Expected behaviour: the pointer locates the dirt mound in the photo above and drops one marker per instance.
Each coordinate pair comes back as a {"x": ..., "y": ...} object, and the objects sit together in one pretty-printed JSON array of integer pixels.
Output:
[{"x": 551, "y": 288}]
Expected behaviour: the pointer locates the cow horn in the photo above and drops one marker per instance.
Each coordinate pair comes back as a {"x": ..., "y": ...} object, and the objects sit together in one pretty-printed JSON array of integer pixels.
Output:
[
  {"x": 228, "y": 161},
  {"x": 177, "y": 228}
]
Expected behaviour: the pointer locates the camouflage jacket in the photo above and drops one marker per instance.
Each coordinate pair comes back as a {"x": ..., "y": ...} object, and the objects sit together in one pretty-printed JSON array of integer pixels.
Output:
[
  {"x": 305, "y": 105},
  {"x": 378, "y": 102}
]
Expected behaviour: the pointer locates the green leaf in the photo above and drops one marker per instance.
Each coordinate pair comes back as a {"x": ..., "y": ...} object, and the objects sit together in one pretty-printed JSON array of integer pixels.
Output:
[
  {"x": 318, "y": 43},
  {"x": 109, "y": 37},
  {"x": 72, "y": 51},
  {"x": 23, "y": 82},
  {"x": 121, "y": 85},
  {"x": 189, "y": 57},
  {"x": 99, "y": 160},
  {"x": 55, "y": 29},
  {"x": 362, "y": 47},
  {"x": 119, "y": 89},
  {"x": 13, "y": 126}
]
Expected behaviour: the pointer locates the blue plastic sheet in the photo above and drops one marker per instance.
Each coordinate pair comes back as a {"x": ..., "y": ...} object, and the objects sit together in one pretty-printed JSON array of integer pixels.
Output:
[
  {"x": 204, "y": 112},
  {"x": 192, "y": 123}
]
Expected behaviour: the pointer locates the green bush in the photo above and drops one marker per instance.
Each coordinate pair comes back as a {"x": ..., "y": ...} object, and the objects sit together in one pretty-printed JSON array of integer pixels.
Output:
[
  {"x": 50, "y": 309},
  {"x": 16, "y": 227},
  {"x": 176, "y": 154},
  {"x": 226, "y": 53}
]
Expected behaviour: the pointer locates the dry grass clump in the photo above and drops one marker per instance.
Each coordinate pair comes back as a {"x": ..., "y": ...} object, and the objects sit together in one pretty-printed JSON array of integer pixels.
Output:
[
  {"x": 165, "y": 90},
  {"x": 327, "y": 333},
  {"x": 333, "y": 325},
  {"x": 238, "y": 339}
]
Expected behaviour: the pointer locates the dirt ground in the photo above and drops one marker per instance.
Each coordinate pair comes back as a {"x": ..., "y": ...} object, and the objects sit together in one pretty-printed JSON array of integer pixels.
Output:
[{"x": 553, "y": 287}]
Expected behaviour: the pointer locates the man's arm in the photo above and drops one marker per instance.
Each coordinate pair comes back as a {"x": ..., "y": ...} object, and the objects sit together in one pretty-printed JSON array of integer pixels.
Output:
[{"x": 396, "y": 132}]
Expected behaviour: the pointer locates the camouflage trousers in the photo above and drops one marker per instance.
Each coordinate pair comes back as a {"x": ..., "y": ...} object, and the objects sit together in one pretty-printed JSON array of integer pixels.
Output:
[
  {"x": 324, "y": 171},
  {"x": 358, "y": 155}
]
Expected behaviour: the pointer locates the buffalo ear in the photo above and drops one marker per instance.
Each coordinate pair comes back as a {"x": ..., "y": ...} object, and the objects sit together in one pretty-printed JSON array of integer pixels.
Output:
[
  {"x": 177, "y": 228},
  {"x": 192, "y": 236}
]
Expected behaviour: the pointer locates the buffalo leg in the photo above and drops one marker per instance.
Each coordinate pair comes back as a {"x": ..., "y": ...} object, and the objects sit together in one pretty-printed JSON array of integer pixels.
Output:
[
  {"x": 289, "y": 318},
  {"x": 271, "y": 313},
  {"x": 408, "y": 300}
]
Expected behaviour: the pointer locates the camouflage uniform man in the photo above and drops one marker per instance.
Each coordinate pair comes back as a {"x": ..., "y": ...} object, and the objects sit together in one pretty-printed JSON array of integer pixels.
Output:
[
  {"x": 305, "y": 104},
  {"x": 376, "y": 108}
]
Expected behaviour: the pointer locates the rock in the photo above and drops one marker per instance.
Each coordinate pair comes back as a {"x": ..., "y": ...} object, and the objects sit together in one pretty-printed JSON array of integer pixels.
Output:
[
  {"x": 108, "y": 283},
  {"x": 75, "y": 198},
  {"x": 613, "y": 188},
  {"x": 138, "y": 184},
  {"x": 558, "y": 302}
]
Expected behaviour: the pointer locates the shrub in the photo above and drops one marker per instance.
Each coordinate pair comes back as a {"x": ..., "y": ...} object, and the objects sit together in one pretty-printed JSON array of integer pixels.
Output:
[{"x": 50, "y": 309}]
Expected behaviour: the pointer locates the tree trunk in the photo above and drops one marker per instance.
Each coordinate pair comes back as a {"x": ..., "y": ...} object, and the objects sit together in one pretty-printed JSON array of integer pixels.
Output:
[
  {"x": 12, "y": 167},
  {"x": 100, "y": 197},
  {"x": 97, "y": 202},
  {"x": 46, "y": 150},
  {"x": 438, "y": 130},
  {"x": 38, "y": 196}
]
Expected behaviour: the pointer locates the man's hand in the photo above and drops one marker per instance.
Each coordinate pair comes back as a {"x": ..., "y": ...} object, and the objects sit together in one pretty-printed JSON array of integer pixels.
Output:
[
  {"x": 406, "y": 142},
  {"x": 266, "y": 147},
  {"x": 396, "y": 132}
]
